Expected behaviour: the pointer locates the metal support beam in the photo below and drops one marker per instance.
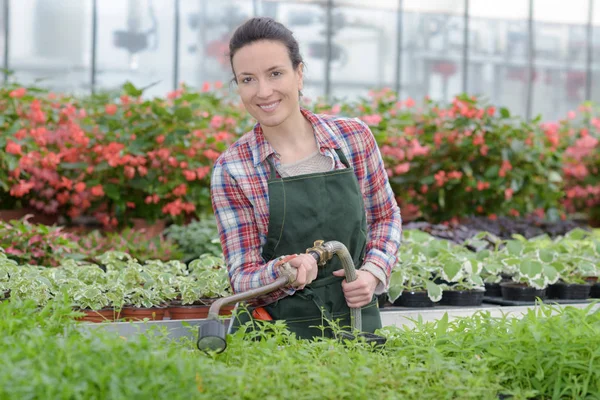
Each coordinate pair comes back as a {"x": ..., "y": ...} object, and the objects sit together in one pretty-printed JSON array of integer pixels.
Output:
[
  {"x": 465, "y": 55},
  {"x": 399, "y": 27},
  {"x": 530, "y": 62},
  {"x": 94, "y": 45},
  {"x": 177, "y": 17},
  {"x": 329, "y": 33},
  {"x": 6, "y": 14},
  {"x": 590, "y": 48}
]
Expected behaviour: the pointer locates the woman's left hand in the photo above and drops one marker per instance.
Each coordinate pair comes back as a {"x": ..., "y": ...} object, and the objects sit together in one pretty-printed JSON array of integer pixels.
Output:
[{"x": 358, "y": 293}]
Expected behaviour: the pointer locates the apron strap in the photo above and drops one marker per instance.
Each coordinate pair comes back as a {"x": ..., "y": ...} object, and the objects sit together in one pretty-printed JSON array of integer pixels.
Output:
[{"x": 272, "y": 167}]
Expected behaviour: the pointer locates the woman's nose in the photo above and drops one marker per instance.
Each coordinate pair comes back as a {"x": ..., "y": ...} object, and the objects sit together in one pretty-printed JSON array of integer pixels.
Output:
[{"x": 264, "y": 89}]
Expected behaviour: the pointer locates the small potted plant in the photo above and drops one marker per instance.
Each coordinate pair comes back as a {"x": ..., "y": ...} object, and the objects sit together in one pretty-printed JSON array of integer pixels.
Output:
[
  {"x": 574, "y": 281},
  {"x": 206, "y": 282},
  {"x": 464, "y": 286},
  {"x": 411, "y": 286},
  {"x": 92, "y": 300},
  {"x": 529, "y": 281},
  {"x": 411, "y": 280},
  {"x": 147, "y": 290}
]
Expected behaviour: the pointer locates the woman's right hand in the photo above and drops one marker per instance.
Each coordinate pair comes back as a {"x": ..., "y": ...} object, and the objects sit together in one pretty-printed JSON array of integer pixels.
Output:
[{"x": 306, "y": 270}]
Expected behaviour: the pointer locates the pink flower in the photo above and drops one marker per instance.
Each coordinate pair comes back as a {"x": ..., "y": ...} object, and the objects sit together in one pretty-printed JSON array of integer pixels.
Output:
[
  {"x": 402, "y": 168},
  {"x": 110, "y": 109},
  {"x": 18, "y": 93},
  {"x": 189, "y": 175},
  {"x": 508, "y": 193},
  {"x": 97, "y": 191},
  {"x": 372, "y": 120},
  {"x": 12, "y": 147}
]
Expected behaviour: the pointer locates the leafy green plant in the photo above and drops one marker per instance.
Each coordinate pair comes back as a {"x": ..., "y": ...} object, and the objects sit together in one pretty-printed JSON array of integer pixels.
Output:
[
  {"x": 549, "y": 352},
  {"x": 211, "y": 273},
  {"x": 196, "y": 238},
  {"x": 37, "y": 244},
  {"x": 132, "y": 242}
]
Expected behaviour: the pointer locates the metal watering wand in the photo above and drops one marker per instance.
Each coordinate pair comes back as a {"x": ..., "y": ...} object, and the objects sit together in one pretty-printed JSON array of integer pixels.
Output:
[{"x": 212, "y": 333}]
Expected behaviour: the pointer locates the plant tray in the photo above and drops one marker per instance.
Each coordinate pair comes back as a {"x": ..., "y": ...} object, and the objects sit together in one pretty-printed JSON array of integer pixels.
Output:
[{"x": 502, "y": 302}]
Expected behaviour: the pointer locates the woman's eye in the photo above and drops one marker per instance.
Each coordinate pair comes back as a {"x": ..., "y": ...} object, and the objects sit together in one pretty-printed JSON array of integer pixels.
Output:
[
  {"x": 246, "y": 80},
  {"x": 276, "y": 73}
]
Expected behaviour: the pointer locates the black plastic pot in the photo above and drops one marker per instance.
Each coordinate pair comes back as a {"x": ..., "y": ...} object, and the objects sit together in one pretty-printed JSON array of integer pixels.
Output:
[
  {"x": 493, "y": 290},
  {"x": 382, "y": 300},
  {"x": 521, "y": 292},
  {"x": 552, "y": 292},
  {"x": 575, "y": 291},
  {"x": 462, "y": 297},
  {"x": 595, "y": 291},
  {"x": 414, "y": 299}
]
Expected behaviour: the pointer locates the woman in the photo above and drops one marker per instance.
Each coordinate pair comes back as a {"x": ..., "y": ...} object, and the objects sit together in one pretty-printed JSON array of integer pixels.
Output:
[{"x": 295, "y": 178}]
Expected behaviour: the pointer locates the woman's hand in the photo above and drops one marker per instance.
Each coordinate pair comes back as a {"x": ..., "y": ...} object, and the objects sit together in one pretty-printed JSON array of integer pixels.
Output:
[
  {"x": 358, "y": 293},
  {"x": 307, "y": 269}
]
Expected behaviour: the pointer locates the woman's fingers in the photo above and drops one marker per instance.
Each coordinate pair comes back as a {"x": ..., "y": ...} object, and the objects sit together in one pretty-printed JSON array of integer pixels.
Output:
[{"x": 307, "y": 270}]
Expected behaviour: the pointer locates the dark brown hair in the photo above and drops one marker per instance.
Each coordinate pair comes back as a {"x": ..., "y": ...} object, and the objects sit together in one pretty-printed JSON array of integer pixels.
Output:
[{"x": 264, "y": 28}]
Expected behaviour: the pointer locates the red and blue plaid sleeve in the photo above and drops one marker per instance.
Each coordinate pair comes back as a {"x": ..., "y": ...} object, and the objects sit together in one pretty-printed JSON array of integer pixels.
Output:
[{"x": 239, "y": 231}]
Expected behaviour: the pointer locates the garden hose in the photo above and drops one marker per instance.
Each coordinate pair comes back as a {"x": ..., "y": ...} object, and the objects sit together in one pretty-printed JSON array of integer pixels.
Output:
[{"x": 211, "y": 335}]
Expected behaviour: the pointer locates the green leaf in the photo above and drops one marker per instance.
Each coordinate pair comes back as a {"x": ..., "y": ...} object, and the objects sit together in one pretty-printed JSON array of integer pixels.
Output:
[
  {"x": 452, "y": 271},
  {"x": 442, "y": 325},
  {"x": 396, "y": 285},
  {"x": 547, "y": 255},
  {"x": 551, "y": 274},
  {"x": 504, "y": 112},
  {"x": 74, "y": 166},
  {"x": 531, "y": 269},
  {"x": 554, "y": 176},
  {"x": 112, "y": 191},
  {"x": 184, "y": 114},
  {"x": 131, "y": 90},
  {"x": 515, "y": 248},
  {"x": 492, "y": 172},
  {"x": 434, "y": 292}
]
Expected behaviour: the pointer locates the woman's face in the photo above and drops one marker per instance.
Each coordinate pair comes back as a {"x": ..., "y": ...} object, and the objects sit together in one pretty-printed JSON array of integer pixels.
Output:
[{"x": 267, "y": 82}]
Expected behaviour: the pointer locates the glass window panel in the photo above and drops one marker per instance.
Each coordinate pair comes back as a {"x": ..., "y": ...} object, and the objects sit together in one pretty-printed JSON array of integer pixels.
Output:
[
  {"x": 498, "y": 52},
  {"x": 2, "y": 35},
  {"x": 50, "y": 42},
  {"x": 560, "y": 57},
  {"x": 432, "y": 47},
  {"x": 364, "y": 49},
  {"x": 135, "y": 43},
  {"x": 307, "y": 21},
  {"x": 206, "y": 27},
  {"x": 595, "y": 83}
]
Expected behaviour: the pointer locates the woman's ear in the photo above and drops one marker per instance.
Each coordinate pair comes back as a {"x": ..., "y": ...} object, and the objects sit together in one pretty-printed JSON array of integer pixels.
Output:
[{"x": 300, "y": 74}]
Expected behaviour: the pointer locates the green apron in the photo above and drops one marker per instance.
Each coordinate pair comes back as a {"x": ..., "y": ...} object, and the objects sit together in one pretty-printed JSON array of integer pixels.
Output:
[{"x": 305, "y": 208}]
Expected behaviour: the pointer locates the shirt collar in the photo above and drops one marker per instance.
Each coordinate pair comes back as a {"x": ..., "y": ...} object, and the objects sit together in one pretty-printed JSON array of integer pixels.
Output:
[{"x": 326, "y": 139}]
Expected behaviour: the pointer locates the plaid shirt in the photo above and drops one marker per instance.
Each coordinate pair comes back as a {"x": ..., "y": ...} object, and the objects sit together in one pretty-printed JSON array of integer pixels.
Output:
[{"x": 240, "y": 201}]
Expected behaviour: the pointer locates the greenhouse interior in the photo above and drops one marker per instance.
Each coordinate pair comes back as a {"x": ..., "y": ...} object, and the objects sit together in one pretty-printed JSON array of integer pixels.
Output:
[{"x": 402, "y": 194}]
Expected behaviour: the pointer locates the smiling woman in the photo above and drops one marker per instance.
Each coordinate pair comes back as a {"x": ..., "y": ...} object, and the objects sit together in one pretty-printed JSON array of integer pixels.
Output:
[{"x": 295, "y": 178}]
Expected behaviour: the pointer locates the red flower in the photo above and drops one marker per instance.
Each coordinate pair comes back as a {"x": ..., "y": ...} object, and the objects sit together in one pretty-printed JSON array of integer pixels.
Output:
[
  {"x": 13, "y": 148},
  {"x": 18, "y": 93},
  {"x": 80, "y": 187},
  {"x": 21, "y": 188},
  {"x": 110, "y": 109},
  {"x": 129, "y": 172},
  {"x": 97, "y": 191},
  {"x": 189, "y": 175}
]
